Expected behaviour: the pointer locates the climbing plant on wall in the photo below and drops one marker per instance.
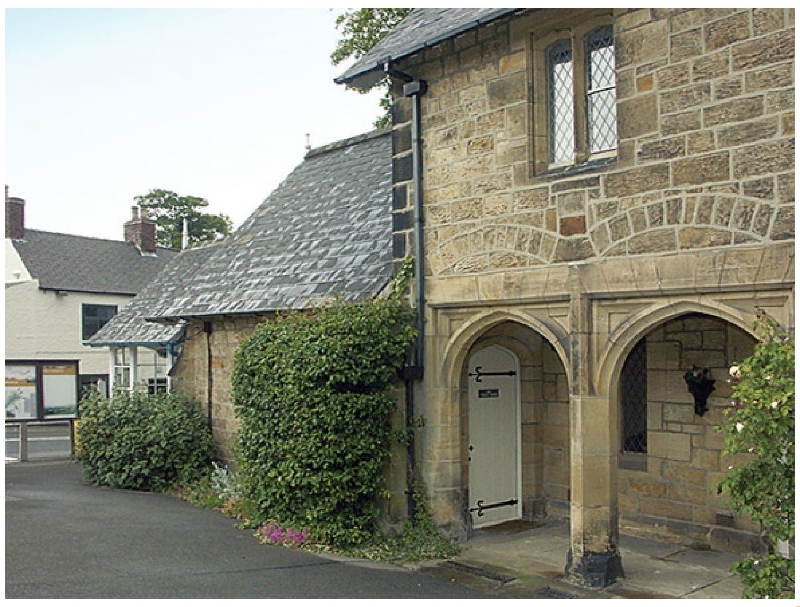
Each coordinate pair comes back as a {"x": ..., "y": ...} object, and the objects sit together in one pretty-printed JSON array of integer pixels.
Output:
[
  {"x": 312, "y": 392},
  {"x": 763, "y": 425}
]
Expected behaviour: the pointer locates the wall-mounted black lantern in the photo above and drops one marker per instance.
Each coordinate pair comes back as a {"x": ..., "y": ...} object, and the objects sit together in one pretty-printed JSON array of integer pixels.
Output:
[{"x": 700, "y": 385}]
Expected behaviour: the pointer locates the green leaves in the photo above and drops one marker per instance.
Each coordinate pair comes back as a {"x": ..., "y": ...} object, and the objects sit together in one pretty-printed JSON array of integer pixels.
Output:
[
  {"x": 364, "y": 28},
  {"x": 763, "y": 425},
  {"x": 361, "y": 30},
  {"x": 141, "y": 442},
  {"x": 311, "y": 392},
  {"x": 168, "y": 209}
]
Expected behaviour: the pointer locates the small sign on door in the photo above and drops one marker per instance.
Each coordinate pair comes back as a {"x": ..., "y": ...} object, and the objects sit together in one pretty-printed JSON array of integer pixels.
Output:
[{"x": 489, "y": 393}]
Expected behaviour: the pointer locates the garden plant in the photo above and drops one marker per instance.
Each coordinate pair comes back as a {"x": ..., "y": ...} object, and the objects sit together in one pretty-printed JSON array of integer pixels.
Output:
[
  {"x": 762, "y": 424},
  {"x": 140, "y": 441}
]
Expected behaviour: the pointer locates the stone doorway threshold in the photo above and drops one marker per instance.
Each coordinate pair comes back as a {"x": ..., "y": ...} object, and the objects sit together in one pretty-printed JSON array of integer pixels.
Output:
[{"x": 512, "y": 527}]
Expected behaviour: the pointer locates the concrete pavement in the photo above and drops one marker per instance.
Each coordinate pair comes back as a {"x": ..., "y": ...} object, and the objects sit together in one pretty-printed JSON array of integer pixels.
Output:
[
  {"x": 508, "y": 561},
  {"x": 530, "y": 563},
  {"x": 67, "y": 539}
]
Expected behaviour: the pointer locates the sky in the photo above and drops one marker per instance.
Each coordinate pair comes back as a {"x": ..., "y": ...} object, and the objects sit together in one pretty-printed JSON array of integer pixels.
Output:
[{"x": 105, "y": 104}]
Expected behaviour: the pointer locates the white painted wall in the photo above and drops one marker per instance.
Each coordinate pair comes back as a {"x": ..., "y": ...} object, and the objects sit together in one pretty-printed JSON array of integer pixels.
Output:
[
  {"x": 42, "y": 325},
  {"x": 15, "y": 269}
]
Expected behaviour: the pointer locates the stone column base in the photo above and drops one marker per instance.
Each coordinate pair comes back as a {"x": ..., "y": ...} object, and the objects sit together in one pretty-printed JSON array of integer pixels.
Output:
[{"x": 594, "y": 569}]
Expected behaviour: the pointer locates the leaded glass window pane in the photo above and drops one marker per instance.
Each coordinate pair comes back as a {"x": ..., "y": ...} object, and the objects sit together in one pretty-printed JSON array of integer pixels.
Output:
[
  {"x": 633, "y": 398},
  {"x": 601, "y": 90},
  {"x": 561, "y": 102}
]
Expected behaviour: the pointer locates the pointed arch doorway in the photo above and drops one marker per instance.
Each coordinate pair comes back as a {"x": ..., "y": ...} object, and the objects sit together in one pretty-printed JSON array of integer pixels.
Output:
[{"x": 495, "y": 471}]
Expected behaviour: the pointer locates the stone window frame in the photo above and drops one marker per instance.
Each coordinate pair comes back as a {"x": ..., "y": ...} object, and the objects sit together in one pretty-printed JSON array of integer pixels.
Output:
[{"x": 575, "y": 28}]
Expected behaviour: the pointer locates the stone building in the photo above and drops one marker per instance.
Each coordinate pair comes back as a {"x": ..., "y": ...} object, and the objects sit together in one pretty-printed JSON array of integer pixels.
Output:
[
  {"x": 324, "y": 232},
  {"x": 601, "y": 200}
]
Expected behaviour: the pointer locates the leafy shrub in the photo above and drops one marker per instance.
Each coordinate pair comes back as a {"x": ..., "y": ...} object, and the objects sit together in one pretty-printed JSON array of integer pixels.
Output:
[
  {"x": 420, "y": 540},
  {"x": 201, "y": 493},
  {"x": 140, "y": 441},
  {"x": 763, "y": 425},
  {"x": 224, "y": 482},
  {"x": 311, "y": 392}
]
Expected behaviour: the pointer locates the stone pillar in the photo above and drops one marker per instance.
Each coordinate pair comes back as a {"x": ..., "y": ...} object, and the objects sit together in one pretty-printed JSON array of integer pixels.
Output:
[
  {"x": 593, "y": 558},
  {"x": 439, "y": 458}
]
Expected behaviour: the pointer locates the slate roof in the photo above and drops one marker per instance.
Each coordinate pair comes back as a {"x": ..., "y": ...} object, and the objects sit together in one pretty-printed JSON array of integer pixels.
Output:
[
  {"x": 89, "y": 265},
  {"x": 129, "y": 327},
  {"x": 422, "y": 28},
  {"x": 326, "y": 230}
]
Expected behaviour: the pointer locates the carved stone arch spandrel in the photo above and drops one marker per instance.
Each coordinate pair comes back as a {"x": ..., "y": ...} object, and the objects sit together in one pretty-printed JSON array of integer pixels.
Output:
[
  {"x": 460, "y": 342},
  {"x": 627, "y": 333}
]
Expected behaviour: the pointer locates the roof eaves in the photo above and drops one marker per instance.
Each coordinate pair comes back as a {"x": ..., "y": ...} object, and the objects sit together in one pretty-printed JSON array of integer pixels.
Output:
[
  {"x": 144, "y": 344},
  {"x": 166, "y": 320},
  {"x": 88, "y": 291},
  {"x": 369, "y": 75}
]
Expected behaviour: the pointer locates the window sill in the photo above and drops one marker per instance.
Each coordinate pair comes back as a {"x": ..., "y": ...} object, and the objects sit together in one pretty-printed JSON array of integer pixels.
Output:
[
  {"x": 571, "y": 170},
  {"x": 633, "y": 461}
]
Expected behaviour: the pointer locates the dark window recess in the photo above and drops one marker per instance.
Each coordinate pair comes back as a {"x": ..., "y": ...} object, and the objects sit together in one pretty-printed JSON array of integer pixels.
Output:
[
  {"x": 97, "y": 382},
  {"x": 633, "y": 397},
  {"x": 95, "y": 316},
  {"x": 157, "y": 385}
]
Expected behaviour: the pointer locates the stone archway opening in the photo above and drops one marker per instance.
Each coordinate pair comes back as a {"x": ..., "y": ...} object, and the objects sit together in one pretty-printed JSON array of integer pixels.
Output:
[
  {"x": 544, "y": 422},
  {"x": 670, "y": 456}
]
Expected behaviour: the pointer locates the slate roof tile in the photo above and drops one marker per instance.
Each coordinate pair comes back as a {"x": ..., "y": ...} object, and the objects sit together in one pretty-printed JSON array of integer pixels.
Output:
[
  {"x": 325, "y": 230},
  {"x": 130, "y": 327},
  {"x": 422, "y": 28},
  {"x": 90, "y": 265}
]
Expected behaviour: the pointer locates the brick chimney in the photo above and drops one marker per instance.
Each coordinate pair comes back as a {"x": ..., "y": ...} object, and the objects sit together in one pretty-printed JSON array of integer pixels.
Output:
[
  {"x": 15, "y": 217},
  {"x": 141, "y": 231}
]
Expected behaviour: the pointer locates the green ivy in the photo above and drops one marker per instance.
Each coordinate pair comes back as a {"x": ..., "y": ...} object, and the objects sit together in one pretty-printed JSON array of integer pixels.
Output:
[
  {"x": 142, "y": 442},
  {"x": 763, "y": 425},
  {"x": 312, "y": 392}
]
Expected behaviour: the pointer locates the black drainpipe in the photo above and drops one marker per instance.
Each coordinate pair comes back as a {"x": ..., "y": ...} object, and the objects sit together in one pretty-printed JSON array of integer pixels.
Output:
[
  {"x": 210, "y": 373},
  {"x": 414, "y": 369}
]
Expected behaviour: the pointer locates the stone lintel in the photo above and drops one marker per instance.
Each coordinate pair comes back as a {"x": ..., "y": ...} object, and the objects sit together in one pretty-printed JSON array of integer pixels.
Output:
[
  {"x": 692, "y": 272},
  {"x": 517, "y": 286},
  {"x": 699, "y": 271}
]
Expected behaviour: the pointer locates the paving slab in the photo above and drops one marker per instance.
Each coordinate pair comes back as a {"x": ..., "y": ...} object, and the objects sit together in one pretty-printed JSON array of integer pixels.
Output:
[{"x": 535, "y": 557}]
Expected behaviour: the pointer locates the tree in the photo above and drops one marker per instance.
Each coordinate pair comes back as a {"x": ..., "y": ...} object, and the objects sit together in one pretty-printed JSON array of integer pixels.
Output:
[
  {"x": 762, "y": 424},
  {"x": 168, "y": 209},
  {"x": 361, "y": 30}
]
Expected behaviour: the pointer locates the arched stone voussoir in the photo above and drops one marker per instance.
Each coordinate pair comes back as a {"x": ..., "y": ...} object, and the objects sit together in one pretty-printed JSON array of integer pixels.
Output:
[
  {"x": 625, "y": 336},
  {"x": 460, "y": 342}
]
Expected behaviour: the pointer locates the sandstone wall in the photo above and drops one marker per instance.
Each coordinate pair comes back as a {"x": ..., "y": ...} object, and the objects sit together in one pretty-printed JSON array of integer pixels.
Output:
[
  {"x": 693, "y": 214},
  {"x": 705, "y": 157},
  {"x": 193, "y": 376},
  {"x": 674, "y": 492}
]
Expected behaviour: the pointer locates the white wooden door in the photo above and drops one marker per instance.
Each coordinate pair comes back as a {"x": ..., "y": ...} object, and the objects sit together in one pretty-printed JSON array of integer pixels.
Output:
[{"x": 494, "y": 437}]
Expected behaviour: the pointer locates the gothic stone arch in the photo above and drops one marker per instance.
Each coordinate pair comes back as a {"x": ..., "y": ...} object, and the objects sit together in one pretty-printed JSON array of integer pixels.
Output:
[
  {"x": 538, "y": 343},
  {"x": 667, "y": 490}
]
